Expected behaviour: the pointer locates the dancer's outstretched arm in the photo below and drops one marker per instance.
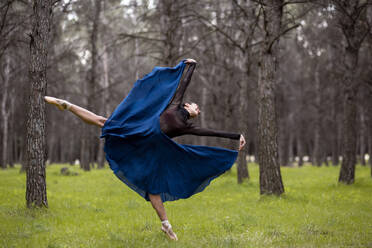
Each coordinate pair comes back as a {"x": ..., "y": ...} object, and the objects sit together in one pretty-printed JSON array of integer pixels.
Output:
[
  {"x": 178, "y": 97},
  {"x": 84, "y": 114},
  {"x": 200, "y": 131}
]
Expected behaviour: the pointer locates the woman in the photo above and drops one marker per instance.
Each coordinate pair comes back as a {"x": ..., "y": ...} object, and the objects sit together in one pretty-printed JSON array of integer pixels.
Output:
[{"x": 138, "y": 141}]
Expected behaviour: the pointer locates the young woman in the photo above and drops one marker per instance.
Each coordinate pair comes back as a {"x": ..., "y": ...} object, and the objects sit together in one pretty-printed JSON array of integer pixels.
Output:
[{"x": 138, "y": 141}]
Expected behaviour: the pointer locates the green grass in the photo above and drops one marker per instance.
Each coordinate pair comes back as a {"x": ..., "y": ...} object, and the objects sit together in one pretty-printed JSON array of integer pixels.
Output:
[{"x": 95, "y": 209}]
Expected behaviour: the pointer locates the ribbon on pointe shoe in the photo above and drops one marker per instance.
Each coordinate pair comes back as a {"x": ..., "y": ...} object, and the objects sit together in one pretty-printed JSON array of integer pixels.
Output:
[{"x": 167, "y": 228}]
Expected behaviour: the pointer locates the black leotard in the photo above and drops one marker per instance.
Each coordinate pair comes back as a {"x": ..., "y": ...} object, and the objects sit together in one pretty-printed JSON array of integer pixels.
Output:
[{"x": 174, "y": 119}]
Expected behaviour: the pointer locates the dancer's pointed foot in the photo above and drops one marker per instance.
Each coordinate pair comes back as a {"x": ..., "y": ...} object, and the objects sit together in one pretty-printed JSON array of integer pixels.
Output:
[
  {"x": 61, "y": 104},
  {"x": 167, "y": 229}
]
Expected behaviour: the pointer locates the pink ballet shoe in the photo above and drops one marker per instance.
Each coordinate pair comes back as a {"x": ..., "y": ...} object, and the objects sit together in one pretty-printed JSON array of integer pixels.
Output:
[
  {"x": 166, "y": 227},
  {"x": 61, "y": 104}
]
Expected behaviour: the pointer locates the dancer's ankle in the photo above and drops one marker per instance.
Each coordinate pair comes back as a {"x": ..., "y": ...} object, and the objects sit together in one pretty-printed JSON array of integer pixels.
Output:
[
  {"x": 165, "y": 223},
  {"x": 68, "y": 105},
  {"x": 65, "y": 104}
]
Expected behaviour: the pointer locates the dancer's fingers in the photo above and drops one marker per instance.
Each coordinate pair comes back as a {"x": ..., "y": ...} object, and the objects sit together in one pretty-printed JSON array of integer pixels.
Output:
[
  {"x": 242, "y": 142},
  {"x": 189, "y": 61}
]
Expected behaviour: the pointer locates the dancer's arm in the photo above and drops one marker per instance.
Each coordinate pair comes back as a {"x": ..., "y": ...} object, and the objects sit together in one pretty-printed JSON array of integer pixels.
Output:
[
  {"x": 195, "y": 130},
  {"x": 178, "y": 97}
]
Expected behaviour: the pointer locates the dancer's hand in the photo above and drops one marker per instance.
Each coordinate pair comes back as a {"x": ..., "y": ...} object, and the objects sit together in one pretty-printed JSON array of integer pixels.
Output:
[
  {"x": 241, "y": 142},
  {"x": 190, "y": 61}
]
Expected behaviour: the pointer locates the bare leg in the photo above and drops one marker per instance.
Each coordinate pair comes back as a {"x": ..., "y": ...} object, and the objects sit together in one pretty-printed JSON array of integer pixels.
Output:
[
  {"x": 85, "y": 115},
  {"x": 157, "y": 204}
]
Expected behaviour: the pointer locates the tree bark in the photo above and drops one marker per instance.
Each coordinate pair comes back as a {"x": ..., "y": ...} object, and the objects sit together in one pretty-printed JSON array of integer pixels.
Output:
[
  {"x": 270, "y": 177},
  {"x": 347, "y": 172},
  {"x": 35, "y": 169}
]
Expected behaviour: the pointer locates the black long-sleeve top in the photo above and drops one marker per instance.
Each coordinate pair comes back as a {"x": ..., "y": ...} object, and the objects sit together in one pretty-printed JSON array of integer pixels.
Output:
[{"x": 174, "y": 120}]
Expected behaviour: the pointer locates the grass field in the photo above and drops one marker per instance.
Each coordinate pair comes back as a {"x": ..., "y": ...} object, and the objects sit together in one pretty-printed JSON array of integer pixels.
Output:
[{"x": 94, "y": 209}]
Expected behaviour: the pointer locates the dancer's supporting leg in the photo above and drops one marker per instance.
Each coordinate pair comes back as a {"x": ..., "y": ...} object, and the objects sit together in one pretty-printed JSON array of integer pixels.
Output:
[
  {"x": 157, "y": 204},
  {"x": 85, "y": 115}
]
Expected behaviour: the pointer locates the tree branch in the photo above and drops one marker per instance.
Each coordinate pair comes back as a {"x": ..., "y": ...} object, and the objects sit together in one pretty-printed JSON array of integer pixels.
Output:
[
  {"x": 218, "y": 29},
  {"x": 241, "y": 8},
  {"x": 281, "y": 34}
]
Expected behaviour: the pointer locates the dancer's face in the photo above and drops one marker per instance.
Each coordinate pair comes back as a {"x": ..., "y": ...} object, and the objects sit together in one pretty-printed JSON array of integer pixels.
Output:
[{"x": 193, "y": 109}]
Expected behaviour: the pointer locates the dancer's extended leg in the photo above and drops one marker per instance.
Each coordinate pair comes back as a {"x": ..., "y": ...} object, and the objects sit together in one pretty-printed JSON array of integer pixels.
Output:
[
  {"x": 85, "y": 115},
  {"x": 157, "y": 204}
]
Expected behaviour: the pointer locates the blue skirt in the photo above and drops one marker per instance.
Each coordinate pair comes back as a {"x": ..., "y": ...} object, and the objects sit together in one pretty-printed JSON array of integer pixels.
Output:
[{"x": 145, "y": 158}]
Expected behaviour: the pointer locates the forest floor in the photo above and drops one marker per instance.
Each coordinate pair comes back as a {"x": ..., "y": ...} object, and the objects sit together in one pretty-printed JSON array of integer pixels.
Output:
[{"x": 94, "y": 209}]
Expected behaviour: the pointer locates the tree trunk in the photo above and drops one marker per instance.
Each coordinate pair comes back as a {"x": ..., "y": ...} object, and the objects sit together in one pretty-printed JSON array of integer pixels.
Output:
[
  {"x": 89, "y": 138},
  {"x": 291, "y": 141},
  {"x": 170, "y": 23},
  {"x": 13, "y": 138},
  {"x": 203, "y": 123},
  {"x": 369, "y": 127},
  {"x": 242, "y": 169},
  {"x": 370, "y": 149},
  {"x": 5, "y": 114},
  {"x": 347, "y": 172},
  {"x": 84, "y": 151},
  {"x": 35, "y": 169},
  {"x": 101, "y": 153},
  {"x": 283, "y": 142},
  {"x": 23, "y": 145},
  {"x": 362, "y": 135},
  {"x": 270, "y": 177},
  {"x": 317, "y": 151},
  {"x": 242, "y": 166},
  {"x": 300, "y": 149},
  {"x": 348, "y": 17},
  {"x": 335, "y": 128}
]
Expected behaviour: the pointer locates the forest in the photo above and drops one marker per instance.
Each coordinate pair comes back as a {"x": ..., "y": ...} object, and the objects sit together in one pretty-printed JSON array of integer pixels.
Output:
[
  {"x": 292, "y": 76},
  {"x": 296, "y": 73},
  {"x": 98, "y": 49}
]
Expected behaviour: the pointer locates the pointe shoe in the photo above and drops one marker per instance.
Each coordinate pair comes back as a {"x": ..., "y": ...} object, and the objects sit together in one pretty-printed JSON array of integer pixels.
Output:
[
  {"x": 167, "y": 229},
  {"x": 61, "y": 104}
]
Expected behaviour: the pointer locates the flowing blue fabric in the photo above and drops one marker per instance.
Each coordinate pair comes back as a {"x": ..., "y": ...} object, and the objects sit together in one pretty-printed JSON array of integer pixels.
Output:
[{"x": 145, "y": 158}]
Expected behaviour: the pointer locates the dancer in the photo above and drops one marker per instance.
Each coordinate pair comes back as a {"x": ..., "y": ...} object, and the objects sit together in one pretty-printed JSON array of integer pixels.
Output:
[{"x": 138, "y": 142}]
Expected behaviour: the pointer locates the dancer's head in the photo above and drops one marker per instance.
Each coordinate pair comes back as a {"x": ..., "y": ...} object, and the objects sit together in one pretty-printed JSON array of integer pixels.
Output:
[{"x": 192, "y": 108}]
